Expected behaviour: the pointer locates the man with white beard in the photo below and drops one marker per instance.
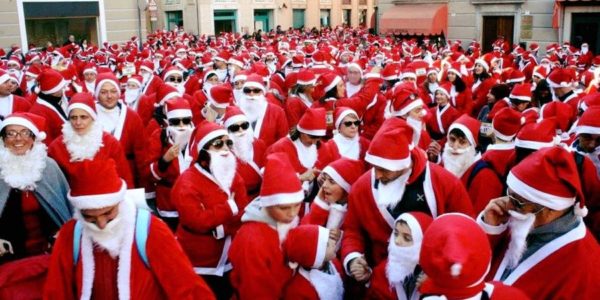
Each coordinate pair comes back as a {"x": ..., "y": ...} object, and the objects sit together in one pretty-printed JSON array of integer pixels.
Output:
[
  {"x": 133, "y": 91},
  {"x": 268, "y": 121},
  {"x": 396, "y": 277},
  {"x": 401, "y": 180},
  {"x": 89, "y": 78},
  {"x": 173, "y": 76},
  {"x": 543, "y": 246},
  {"x": 407, "y": 105},
  {"x": 238, "y": 86},
  {"x": 249, "y": 150},
  {"x": 150, "y": 82},
  {"x": 111, "y": 250},
  {"x": 460, "y": 149},
  {"x": 209, "y": 198}
]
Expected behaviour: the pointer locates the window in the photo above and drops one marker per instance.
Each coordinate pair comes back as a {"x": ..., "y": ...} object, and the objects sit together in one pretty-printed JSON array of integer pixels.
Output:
[
  {"x": 362, "y": 17},
  {"x": 174, "y": 19},
  {"x": 346, "y": 16},
  {"x": 298, "y": 18},
  {"x": 325, "y": 17}
]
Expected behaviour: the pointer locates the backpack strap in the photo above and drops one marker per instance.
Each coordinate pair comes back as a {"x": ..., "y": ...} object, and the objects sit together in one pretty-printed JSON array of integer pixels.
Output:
[
  {"x": 579, "y": 159},
  {"x": 142, "y": 226},
  {"x": 479, "y": 165},
  {"x": 76, "y": 241}
]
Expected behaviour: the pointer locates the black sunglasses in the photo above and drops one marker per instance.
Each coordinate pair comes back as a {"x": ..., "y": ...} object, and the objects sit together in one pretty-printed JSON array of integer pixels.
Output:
[
  {"x": 175, "y": 79},
  {"x": 218, "y": 144},
  {"x": 350, "y": 123},
  {"x": 236, "y": 127},
  {"x": 177, "y": 121},
  {"x": 253, "y": 91},
  {"x": 314, "y": 137}
]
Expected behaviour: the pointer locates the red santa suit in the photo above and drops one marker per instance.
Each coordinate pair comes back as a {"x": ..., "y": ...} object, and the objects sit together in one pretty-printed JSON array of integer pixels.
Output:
[
  {"x": 250, "y": 170},
  {"x": 295, "y": 106},
  {"x": 12, "y": 104},
  {"x": 272, "y": 126},
  {"x": 340, "y": 146},
  {"x": 380, "y": 286},
  {"x": 374, "y": 116},
  {"x": 152, "y": 86},
  {"x": 439, "y": 120},
  {"x": 480, "y": 89},
  {"x": 306, "y": 284}
]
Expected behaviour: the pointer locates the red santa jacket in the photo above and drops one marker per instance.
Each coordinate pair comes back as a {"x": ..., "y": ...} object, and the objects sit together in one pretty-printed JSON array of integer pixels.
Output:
[
  {"x": 151, "y": 87},
  {"x": 367, "y": 226},
  {"x": 329, "y": 152},
  {"x": 54, "y": 120},
  {"x": 304, "y": 287},
  {"x": 286, "y": 145},
  {"x": 272, "y": 126},
  {"x": 295, "y": 106},
  {"x": 111, "y": 149},
  {"x": 250, "y": 171},
  {"x": 374, "y": 116},
  {"x": 381, "y": 289},
  {"x": 17, "y": 104},
  {"x": 208, "y": 218},
  {"x": 438, "y": 121},
  {"x": 480, "y": 91},
  {"x": 463, "y": 101}
]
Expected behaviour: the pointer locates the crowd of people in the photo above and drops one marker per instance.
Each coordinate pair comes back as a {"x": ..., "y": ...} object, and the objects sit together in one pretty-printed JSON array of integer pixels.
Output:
[{"x": 331, "y": 164}]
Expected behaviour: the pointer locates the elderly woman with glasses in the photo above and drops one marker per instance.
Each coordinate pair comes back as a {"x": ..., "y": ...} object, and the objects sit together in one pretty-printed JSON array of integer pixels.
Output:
[
  {"x": 210, "y": 197},
  {"x": 33, "y": 191}
]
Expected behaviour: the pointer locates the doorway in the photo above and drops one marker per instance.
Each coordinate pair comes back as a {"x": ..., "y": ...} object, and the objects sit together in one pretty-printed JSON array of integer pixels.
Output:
[
  {"x": 495, "y": 26},
  {"x": 225, "y": 21},
  {"x": 584, "y": 28}
]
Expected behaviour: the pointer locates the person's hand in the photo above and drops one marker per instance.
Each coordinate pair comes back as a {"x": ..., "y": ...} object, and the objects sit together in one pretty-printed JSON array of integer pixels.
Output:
[
  {"x": 309, "y": 175},
  {"x": 171, "y": 154},
  {"x": 359, "y": 269},
  {"x": 496, "y": 212},
  {"x": 335, "y": 234},
  {"x": 5, "y": 247},
  {"x": 375, "y": 70},
  {"x": 433, "y": 151},
  {"x": 420, "y": 279}
]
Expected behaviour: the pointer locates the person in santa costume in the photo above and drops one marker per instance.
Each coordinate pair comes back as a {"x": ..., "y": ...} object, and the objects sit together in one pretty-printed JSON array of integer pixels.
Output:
[
  {"x": 401, "y": 180},
  {"x": 563, "y": 82},
  {"x": 396, "y": 277},
  {"x": 209, "y": 197},
  {"x": 346, "y": 141},
  {"x": 319, "y": 274},
  {"x": 133, "y": 92},
  {"x": 249, "y": 151},
  {"x": 268, "y": 121},
  {"x": 260, "y": 269},
  {"x": 111, "y": 250},
  {"x": 407, "y": 105},
  {"x": 455, "y": 257},
  {"x": 439, "y": 120},
  {"x": 460, "y": 152},
  {"x": 219, "y": 97},
  {"x": 123, "y": 123},
  {"x": 10, "y": 103},
  {"x": 460, "y": 94},
  {"x": 543, "y": 213},
  {"x": 150, "y": 81},
  {"x": 354, "y": 76},
  {"x": 483, "y": 81},
  {"x": 84, "y": 139},
  {"x": 89, "y": 78},
  {"x": 33, "y": 190},
  {"x": 301, "y": 97},
  {"x": 168, "y": 156},
  {"x": 51, "y": 103}
]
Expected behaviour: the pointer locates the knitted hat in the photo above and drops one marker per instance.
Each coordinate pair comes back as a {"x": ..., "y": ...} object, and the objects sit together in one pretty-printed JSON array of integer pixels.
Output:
[
  {"x": 313, "y": 122},
  {"x": 469, "y": 126},
  {"x": 306, "y": 245},
  {"x": 281, "y": 184},
  {"x": 345, "y": 172},
  {"x": 83, "y": 101},
  {"x": 178, "y": 108},
  {"x": 36, "y": 124},
  {"x": 96, "y": 184}
]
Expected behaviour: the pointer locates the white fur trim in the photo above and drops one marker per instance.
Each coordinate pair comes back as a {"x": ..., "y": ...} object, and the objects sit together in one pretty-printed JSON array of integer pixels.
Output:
[
  {"x": 99, "y": 200},
  {"x": 415, "y": 227},
  {"x": 86, "y": 108},
  {"x": 219, "y": 232},
  {"x": 215, "y": 103},
  {"x": 344, "y": 114},
  {"x": 211, "y": 135},
  {"x": 4, "y": 78},
  {"x": 337, "y": 178},
  {"x": 536, "y": 196},
  {"x": 581, "y": 211},
  {"x": 254, "y": 85},
  {"x": 348, "y": 259},
  {"x": 490, "y": 229},
  {"x": 503, "y": 137},
  {"x": 310, "y": 82},
  {"x": 515, "y": 80},
  {"x": 416, "y": 103},
  {"x": 316, "y": 132},
  {"x": 235, "y": 119},
  {"x": 282, "y": 198},
  {"x": 522, "y": 98},
  {"x": 320, "y": 203},
  {"x": 372, "y": 75},
  {"x": 483, "y": 63},
  {"x": 532, "y": 144},
  {"x": 587, "y": 129},
  {"x": 169, "y": 96},
  {"x": 179, "y": 113},
  {"x": 21, "y": 122},
  {"x": 388, "y": 164},
  {"x": 558, "y": 84},
  {"x": 322, "y": 239},
  {"x": 234, "y": 208},
  {"x": 145, "y": 68},
  {"x": 408, "y": 75},
  {"x": 102, "y": 82},
  {"x": 55, "y": 89},
  {"x": 172, "y": 72},
  {"x": 335, "y": 81},
  {"x": 465, "y": 130}
]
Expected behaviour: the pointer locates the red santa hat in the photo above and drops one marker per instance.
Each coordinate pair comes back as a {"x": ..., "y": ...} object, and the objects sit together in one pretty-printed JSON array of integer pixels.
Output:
[
  {"x": 390, "y": 72},
  {"x": 137, "y": 79},
  {"x": 36, "y": 124},
  {"x": 511, "y": 75},
  {"x": 345, "y": 172},
  {"x": 313, "y": 122},
  {"x": 223, "y": 56},
  {"x": 32, "y": 71},
  {"x": 469, "y": 127},
  {"x": 220, "y": 95},
  {"x": 418, "y": 223},
  {"x": 405, "y": 99},
  {"x": 233, "y": 115},
  {"x": 455, "y": 256},
  {"x": 107, "y": 77},
  {"x": 485, "y": 61},
  {"x": 147, "y": 66},
  {"x": 306, "y": 77},
  {"x": 236, "y": 60},
  {"x": 562, "y": 112},
  {"x": 96, "y": 184},
  {"x": 355, "y": 65},
  {"x": 340, "y": 113},
  {"x": 329, "y": 81},
  {"x": 456, "y": 69},
  {"x": 206, "y": 132},
  {"x": 171, "y": 71},
  {"x": 281, "y": 184},
  {"x": 408, "y": 73},
  {"x": 306, "y": 245},
  {"x": 89, "y": 68},
  {"x": 84, "y": 101},
  {"x": 165, "y": 92},
  {"x": 540, "y": 71},
  {"x": 178, "y": 108},
  {"x": 255, "y": 81},
  {"x": 50, "y": 81},
  {"x": 391, "y": 146},
  {"x": 445, "y": 88},
  {"x": 506, "y": 123},
  {"x": 589, "y": 122},
  {"x": 560, "y": 77},
  {"x": 537, "y": 135},
  {"x": 549, "y": 177},
  {"x": 521, "y": 92}
]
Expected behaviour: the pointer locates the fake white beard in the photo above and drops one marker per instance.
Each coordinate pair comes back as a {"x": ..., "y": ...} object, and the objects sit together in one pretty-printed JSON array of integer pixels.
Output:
[
  {"x": 221, "y": 74},
  {"x": 253, "y": 107},
  {"x": 520, "y": 225},
  {"x": 417, "y": 126},
  {"x": 328, "y": 286},
  {"x": 206, "y": 87},
  {"x": 112, "y": 236},
  {"x": 237, "y": 95},
  {"x": 347, "y": 147},
  {"x": 108, "y": 118},
  {"x": 352, "y": 89},
  {"x": 91, "y": 86},
  {"x": 179, "y": 86},
  {"x": 401, "y": 261},
  {"x": 222, "y": 166},
  {"x": 457, "y": 162},
  {"x": 146, "y": 78},
  {"x": 242, "y": 144},
  {"x": 272, "y": 67},
  {"x": 389, "y": 194},
  {"x": 23, "y": 171},
  {"x": 30, "y": 84},
  {"x": 179, "y": 136},
  {"x": 81, "y": 147},
  {"x": 131, "y": 96},
  {"x": 306, "y": 155}
]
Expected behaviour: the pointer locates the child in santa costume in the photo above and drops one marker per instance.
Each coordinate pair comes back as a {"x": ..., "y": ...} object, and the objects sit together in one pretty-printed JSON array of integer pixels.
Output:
[
  {"x": 101, "y": 253},
  {"x": 318, "y": 275},
  {"x": 396, "y": 277},
  {"x": 260, "y": 270}
]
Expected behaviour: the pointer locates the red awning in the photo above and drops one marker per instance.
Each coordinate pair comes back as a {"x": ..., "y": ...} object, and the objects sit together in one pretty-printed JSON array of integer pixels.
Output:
[{"x": 415, "y": 19}]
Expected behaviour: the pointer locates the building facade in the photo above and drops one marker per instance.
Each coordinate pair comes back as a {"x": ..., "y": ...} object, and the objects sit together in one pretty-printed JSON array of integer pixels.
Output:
[
  {"x": 37, "y": 22},
  {"x": 214, "y": 16},
  {"x": 520, "y": 21}
]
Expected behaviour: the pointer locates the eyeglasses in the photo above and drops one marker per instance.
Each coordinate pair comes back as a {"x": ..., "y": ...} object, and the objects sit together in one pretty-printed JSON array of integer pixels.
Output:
[
  {"x": 178, "y": 121},
  {"x": 175, "y": 79},
  {"x": 522, "y": 205},
  {"x": 252, "y": 91},
  {"x": 350, "y": 123},
  {"x": 236, "y": 127},
  {"x": 25, "y": 133},
  {"x": 218, "y": 144}
]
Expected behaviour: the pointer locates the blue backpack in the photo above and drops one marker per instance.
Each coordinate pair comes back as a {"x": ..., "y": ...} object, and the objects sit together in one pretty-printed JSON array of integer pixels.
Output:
[{"x": 142, "y": 225}]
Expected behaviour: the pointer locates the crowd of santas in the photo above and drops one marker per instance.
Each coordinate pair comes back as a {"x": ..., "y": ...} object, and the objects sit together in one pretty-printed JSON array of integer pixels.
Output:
[{"x": 313, "y": 165}]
